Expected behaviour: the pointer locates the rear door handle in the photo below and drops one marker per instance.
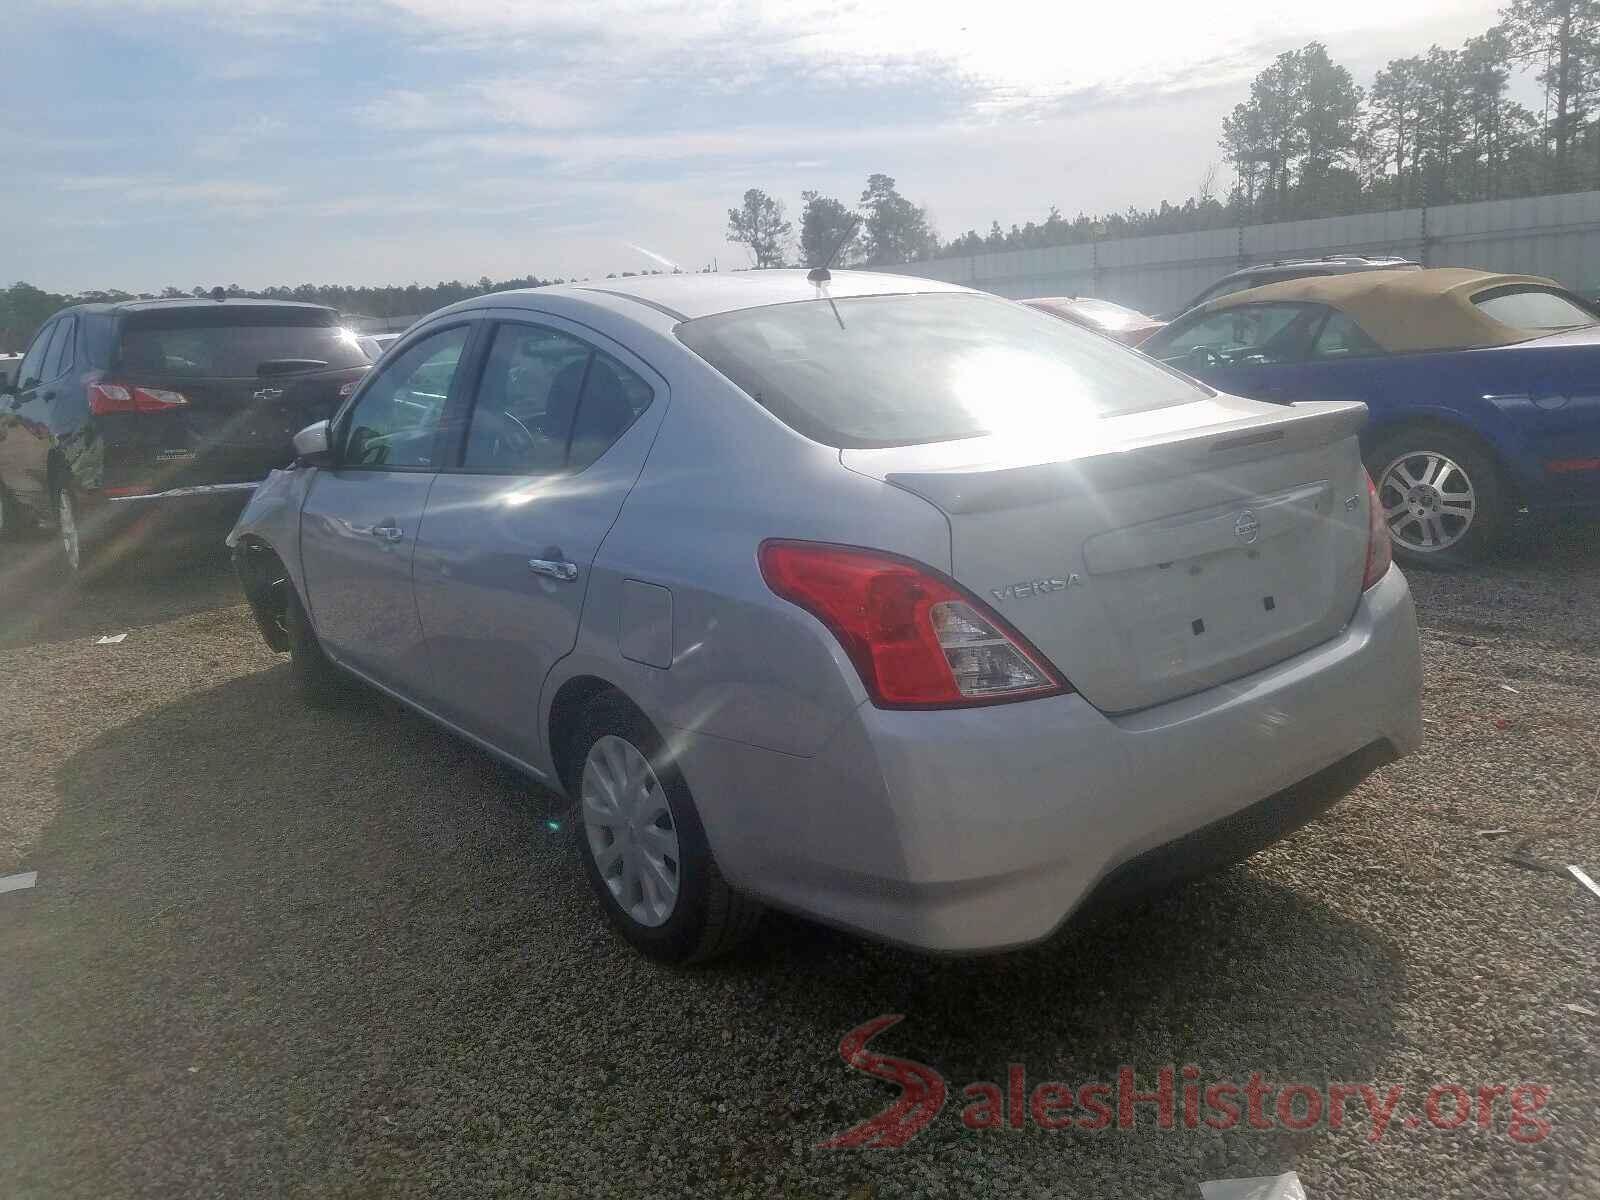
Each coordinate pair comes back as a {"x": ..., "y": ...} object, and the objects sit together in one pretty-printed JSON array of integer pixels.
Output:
[
  {"x": 554, "y": 568},
  {"x": 389, "y": 533}
]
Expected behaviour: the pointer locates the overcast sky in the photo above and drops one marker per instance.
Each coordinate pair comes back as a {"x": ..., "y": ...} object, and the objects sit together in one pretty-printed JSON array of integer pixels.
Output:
[{"x": 155, "y": 142}]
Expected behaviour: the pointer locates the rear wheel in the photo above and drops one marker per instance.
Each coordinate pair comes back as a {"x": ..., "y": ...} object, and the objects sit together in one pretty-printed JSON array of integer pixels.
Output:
[
  {"x": 1442, "y": 494},
  {"x": 643, "y": 847},
  {"x": 73, "y": 557},
  {"x": 320, "y": 683}
]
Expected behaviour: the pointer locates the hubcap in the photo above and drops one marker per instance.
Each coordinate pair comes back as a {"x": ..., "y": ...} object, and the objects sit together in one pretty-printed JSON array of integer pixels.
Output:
[
  {"x": 1427, "y": 501},
  {"x": 68, "y": 521},
  {"x": 630, "y": 830}
]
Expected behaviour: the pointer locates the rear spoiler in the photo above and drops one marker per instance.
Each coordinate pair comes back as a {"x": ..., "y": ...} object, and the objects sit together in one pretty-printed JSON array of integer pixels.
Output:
[{"x": 1177, "y": 453}]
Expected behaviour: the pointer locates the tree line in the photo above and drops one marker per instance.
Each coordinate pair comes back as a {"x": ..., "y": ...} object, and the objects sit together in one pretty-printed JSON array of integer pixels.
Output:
[
  {"x": 23, "y": 307},
  {"x": 1432, "y": 128}
]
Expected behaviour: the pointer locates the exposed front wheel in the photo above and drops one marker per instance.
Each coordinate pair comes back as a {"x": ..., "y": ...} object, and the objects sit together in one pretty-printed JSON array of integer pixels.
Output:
[
  {"x": 643, "y": 847},
  {"x": 1442, "y": 495}
]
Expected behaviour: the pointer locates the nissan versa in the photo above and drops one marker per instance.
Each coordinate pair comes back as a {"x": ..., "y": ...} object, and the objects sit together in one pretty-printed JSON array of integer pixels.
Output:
[{"x": 887, "y": 602}]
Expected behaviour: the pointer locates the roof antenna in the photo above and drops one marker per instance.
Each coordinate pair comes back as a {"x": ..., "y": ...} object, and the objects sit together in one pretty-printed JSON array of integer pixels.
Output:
[{"x": 820, "y": 274}]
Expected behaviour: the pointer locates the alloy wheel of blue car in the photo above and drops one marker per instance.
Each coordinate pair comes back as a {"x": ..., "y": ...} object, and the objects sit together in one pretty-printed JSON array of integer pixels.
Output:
[{"x": 1428, "y": 501}]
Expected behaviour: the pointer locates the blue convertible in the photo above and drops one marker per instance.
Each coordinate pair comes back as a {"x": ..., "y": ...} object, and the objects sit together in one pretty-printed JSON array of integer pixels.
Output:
[{"x": 1483, "y": 389}]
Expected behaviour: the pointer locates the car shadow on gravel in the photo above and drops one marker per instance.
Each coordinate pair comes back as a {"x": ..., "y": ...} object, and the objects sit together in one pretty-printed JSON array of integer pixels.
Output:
[
  {"x": 162, "y": 584},
  {"x": 273, "y": 949}
]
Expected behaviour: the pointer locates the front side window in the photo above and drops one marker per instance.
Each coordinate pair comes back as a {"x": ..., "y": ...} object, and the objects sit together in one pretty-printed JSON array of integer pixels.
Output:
[
  {"x": 395, "y": 422},
  {"x": 32, "y": 368},
  {"x": 1341, "y": 337},
  {"x": 1539, "y": 309},
  {"x": 1249, "y": 335},
  {"x": 548, "y": 402},
  {"x": 903, "y": 370}
]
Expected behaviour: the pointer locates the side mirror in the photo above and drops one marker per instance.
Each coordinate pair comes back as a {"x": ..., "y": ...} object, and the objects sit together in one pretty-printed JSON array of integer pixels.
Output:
[{"x": 313, "y": 446}]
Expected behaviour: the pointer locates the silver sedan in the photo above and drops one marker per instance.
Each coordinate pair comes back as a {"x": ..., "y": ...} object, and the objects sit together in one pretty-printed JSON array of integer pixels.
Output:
[{"x": 875, "y": 599}]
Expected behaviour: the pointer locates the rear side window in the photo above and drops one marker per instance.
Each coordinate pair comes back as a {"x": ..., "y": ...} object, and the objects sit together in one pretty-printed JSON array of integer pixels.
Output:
[
  {"x": 99, "y": 330},
  {"x": 233, "y": 344},
  {"x": 59, "y": 358},
  {"x": 902, "y": 370},
  {"x": 1533, "y": 308}
]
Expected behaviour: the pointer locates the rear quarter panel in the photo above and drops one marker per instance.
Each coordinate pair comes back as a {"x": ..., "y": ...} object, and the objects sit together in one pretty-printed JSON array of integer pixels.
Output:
[
  {"x": 1529, "y": 403},
  {"x": 723, "y": 476}
]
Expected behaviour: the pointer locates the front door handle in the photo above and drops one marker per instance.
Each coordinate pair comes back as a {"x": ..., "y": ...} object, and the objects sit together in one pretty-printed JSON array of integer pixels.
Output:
[
  {"x": 389, "y": 533},
  {"x": 554, "y": 568}
]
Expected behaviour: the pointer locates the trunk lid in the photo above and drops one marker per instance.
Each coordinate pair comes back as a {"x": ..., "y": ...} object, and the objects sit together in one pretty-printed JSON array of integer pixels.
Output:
[
  {"x": 232, "y": 430},
  {"x": 253, "y": 375},
  {"x": 1160, "y": 552}
]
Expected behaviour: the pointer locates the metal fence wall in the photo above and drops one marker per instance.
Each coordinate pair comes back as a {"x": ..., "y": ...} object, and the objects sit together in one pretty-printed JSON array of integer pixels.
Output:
[{"x": 1558, "y": 236}]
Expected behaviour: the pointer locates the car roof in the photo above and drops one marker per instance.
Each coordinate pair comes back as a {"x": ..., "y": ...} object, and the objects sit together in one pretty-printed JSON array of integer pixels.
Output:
[
  {"x": 113, "y": 306},
  {"x": 687, "y": 297},
  {"x": 1430, "y": 309},
  {"x": 1333, "y": 263}
]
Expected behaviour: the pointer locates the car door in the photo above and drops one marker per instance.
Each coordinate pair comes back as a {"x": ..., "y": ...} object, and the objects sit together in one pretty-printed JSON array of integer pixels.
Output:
[
  {"x": 1254, "y": 350},
  {"x": 554, "y": 438},
  {"x": 358, "y": 527},
  {"x": 25, "y": 417}
]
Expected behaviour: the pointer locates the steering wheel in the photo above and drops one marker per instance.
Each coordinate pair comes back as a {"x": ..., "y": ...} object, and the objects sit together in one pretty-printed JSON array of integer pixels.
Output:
[{"x": 509, "y": 439}]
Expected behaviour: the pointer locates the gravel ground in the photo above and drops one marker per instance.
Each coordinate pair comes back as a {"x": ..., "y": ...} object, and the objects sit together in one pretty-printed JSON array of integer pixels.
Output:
[{"x": 272, "y": 952}]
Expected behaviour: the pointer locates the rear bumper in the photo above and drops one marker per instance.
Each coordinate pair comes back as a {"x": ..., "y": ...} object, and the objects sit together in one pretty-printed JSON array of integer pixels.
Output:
[
  {"x": 983, "y": 829},
  {"x": 178, "y": 514},
  {"x": 198, "y": 492}
]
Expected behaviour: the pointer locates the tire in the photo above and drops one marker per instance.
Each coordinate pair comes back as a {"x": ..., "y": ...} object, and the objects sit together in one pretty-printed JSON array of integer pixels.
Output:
[
  {"x": 705, "y": 917},
  {"x": 1443, "y": 494},
  {"x": 320, "y": 683},
  {"x": 74, "y": 555}
]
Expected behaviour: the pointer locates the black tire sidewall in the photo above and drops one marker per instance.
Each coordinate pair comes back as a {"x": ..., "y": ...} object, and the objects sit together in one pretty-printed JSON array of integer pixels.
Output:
[
  {"x": 79, "y": 575},
  {"x": 679, "y": 937},
  {"x": 321, "y": 683},
  {"x": 1488, "y": 486}
]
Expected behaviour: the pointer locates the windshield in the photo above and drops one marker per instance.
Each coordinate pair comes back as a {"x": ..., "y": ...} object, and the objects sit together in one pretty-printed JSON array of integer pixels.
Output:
[
  {"x": 235, "y": 350},
  {"x": 901, "y": 370}
]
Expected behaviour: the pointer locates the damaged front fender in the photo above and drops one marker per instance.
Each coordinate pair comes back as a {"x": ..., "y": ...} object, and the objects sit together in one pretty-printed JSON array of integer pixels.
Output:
[{"x": 265, "y": 543}]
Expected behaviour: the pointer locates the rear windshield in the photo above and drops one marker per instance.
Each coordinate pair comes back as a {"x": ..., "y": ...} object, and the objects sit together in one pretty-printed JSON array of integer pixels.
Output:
[
  {"x": 223, "y": 344},
  {"x": 902, "y": 370},
  {"x": 1533, "y": 308}
]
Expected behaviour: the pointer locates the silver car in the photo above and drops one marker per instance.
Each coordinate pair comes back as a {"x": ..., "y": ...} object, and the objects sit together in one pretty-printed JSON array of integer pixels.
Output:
[{"x": 879, "y": 600}]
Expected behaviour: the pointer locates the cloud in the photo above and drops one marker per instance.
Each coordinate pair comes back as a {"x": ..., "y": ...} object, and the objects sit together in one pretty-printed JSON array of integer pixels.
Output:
[
  {"x": 419, "y": 138},
  {"x": 519, "y": 103},
  {"x": 224, "y": 194},
  {"x": 231, "y": 144}
]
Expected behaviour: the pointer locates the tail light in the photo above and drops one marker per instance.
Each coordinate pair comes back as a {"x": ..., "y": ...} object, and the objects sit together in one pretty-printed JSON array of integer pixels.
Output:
[
  {"x": 1380, "y": 553},
  {"x": 122, "y": 398},
  {"x": 916, "y": 638}
]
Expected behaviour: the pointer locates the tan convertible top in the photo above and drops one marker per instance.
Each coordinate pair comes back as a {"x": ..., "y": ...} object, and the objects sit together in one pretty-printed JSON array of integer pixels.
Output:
[{"x": 1405, "y": 310}]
